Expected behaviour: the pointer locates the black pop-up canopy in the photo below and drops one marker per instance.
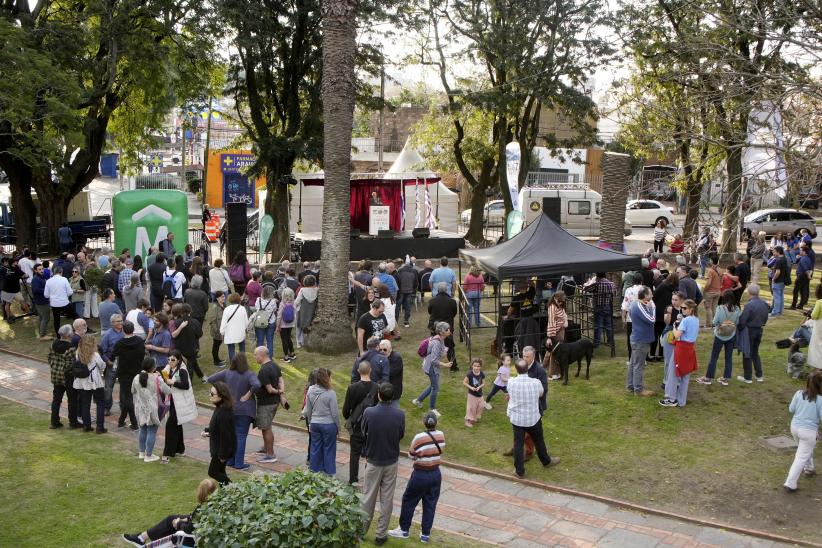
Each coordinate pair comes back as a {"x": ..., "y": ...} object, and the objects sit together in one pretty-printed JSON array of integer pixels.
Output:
[{"x": 544, "y": 248}]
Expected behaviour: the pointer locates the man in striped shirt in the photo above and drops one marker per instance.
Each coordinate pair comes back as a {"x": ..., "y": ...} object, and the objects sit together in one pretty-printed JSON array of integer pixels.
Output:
[
  {"x": 425, "y": 481},
  {"x": 524, "y": 395}
]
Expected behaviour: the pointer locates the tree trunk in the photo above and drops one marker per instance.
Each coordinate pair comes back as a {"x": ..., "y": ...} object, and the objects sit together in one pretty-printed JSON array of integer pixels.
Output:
[
  {"x": 694, "y": 189},
  {"x": 22, "y": 206},
  {"x": 332, "y": 333},
  {"x": 53, "y": 201},
  {"x": 733, "y": 197},
  {"x": 276, "y": 205},
  {"x": 616, "y": 178},
  {"x": 476, "y": 232}
]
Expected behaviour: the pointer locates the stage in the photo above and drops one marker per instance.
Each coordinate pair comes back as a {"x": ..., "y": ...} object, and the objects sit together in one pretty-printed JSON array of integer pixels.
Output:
[{"x": 439, "y": 244}]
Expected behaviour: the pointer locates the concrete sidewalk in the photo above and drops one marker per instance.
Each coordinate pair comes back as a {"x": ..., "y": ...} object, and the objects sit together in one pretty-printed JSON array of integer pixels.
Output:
[{"x": 480, "y": 507}]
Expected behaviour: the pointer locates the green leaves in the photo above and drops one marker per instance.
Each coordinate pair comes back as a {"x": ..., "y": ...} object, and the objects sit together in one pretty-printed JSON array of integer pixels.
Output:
[{"x": 298, "y": 508}]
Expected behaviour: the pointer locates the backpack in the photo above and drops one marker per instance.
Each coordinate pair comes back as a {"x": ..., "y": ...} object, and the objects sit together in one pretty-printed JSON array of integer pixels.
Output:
[
  {"x": 422, "y": 351},
  {"x": 353, "y": 422},
  {"x": 79, "y": 370},
  {"x": 288, "y": 313},
  {"x": 237, "y": 273},
  {"x": 169, "y": 285},
  {"x": 261, "y": 319}
]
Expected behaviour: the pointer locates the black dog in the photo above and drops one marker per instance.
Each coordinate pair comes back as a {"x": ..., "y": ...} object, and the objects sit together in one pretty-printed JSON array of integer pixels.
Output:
[{"x": 568, "y": 352}]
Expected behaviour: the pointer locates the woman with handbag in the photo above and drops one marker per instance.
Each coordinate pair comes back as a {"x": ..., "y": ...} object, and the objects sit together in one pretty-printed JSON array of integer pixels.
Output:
[
  {"x": 233, "y": 325},
  {"x": 725, "y": 321},
  {"x": 149, "y": 393},
  {"x": 182, "y": 408},
  {"x": 676, "y": 386},
  {"x": 88, "y": 381},
  {"x": 243, "y": 384},
  {"x": 217, "y": 309},
  {"x": 265, "y": 319},
  {"x": 557, "y": 322}
]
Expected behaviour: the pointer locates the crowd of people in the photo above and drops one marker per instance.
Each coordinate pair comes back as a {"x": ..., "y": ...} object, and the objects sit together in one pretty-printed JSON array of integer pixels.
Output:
[{"x": 154, "y": 312}]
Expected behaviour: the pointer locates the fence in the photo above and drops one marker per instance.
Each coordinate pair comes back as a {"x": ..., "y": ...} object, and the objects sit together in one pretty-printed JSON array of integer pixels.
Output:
[
  {"x": 371, "y": 144},
  {"x": 156, "y": 181}
]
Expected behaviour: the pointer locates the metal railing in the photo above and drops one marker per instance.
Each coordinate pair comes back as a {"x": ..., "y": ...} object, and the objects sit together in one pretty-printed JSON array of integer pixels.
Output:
[
  {"x": 156, "y": 181},
  {"x": 372, "y": 144}
]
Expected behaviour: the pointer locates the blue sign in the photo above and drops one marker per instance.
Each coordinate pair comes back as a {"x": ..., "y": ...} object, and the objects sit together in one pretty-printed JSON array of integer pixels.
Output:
[
  {"x": 236, "y": 163},
  {"x": 239, "y": 188}
]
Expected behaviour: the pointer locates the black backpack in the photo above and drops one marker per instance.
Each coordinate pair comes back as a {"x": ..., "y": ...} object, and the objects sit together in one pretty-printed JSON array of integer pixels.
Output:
[
  {"x": 79, "y": 370},
  {"x": 352, "y": 424}
]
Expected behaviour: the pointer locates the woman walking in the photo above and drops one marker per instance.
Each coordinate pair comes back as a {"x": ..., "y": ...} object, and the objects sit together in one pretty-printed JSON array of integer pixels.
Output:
[
  {"x": 265, "y": 319},
  {"x": 243, "y": 384},
  {"x": 323, "y": 418},
  {"x": 218, "y": 279},
  {"x": 676, "y": 385},
  {"x": 217, "y": 309},
  {"x": 148, "y": 391},
  {"x": 473, "y": 286},
  {"x": 233, "y": 325},
  {"x": 91, "y": 386},
  {"x": 286, "y": 320},
  {"x": 222, "y": 434},
  {"x": 306, "y": 305},
  {"x": 725, "y": 322},
  {"x": 806, "y": 407},
  {"x": 431, "y": 366},
  {"x": 182, "y": 408},
  {"x": 240, "y": 272},
  {"x": 557, "y": 323}
]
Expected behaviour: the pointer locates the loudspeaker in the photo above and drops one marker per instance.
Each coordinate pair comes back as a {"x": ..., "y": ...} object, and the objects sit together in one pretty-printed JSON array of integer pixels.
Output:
[
  {"x": 355, "y": 233},
  {"x": 421, "y": 232},
  {"x": 236, "y": 221},
  {"x": 553, "y": 208},
  {"x": 385, "y": 234}
]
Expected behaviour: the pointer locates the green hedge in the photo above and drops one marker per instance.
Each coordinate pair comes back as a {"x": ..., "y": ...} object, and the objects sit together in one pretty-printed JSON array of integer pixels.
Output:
[{"x": 298, "y": 508}]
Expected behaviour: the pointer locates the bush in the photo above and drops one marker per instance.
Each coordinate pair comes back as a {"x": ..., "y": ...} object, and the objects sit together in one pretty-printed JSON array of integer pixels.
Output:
[{"x": 298, "y": 508}]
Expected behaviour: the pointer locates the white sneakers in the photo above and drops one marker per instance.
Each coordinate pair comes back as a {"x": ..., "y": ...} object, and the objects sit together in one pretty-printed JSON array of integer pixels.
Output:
[
  {"x": 488, "y": 406},
  {"x": 437, "y": 413},
  {"x": 141, "y": 455},
  {"x": 416, "y": 402},
  {"x": 151, "y": 458}
]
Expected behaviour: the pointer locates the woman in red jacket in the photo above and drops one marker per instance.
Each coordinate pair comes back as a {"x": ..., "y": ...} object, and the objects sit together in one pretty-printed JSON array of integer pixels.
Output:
[{"x": 473, "y": 285}]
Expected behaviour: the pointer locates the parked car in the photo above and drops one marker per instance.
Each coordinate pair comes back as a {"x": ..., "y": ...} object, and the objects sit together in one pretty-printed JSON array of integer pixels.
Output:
[
  {"x": 773, "y": 221},
  {"x": 494, "y": 214},
  {"x": 648, "y": 212}
]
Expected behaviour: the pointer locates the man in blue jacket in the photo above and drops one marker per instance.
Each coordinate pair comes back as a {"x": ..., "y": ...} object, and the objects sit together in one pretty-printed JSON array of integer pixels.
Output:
[
  {"x": 41, "y": 302},
  {"x": 643, "y": 315}
]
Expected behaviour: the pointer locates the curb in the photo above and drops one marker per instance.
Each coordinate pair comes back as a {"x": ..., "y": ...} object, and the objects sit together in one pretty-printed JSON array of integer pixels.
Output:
[{"x": 556, "y": 488}]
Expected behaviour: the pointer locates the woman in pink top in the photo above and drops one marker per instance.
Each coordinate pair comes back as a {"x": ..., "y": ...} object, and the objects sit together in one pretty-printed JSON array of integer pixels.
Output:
[{"x": 473, "y": 286}]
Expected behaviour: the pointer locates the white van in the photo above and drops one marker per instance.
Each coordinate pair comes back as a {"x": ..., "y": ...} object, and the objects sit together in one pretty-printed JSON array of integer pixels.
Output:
[{"x": 580, "y": 211}]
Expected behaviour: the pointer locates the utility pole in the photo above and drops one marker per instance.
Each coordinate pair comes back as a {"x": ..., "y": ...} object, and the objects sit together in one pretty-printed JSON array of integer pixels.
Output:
[
  {"x": 183, "y": 156},
  {"x": 381, "y": 129},
  {"x": 207, "y": 147}
]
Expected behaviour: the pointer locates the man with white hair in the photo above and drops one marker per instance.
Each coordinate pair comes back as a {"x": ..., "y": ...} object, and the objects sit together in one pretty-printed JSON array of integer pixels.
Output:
[
  {"x": 387, "y": 279},
  {"x": 58, "y": 291},
  {"x": 395, "y": 367},
  {"x": 106, "y": 347}
]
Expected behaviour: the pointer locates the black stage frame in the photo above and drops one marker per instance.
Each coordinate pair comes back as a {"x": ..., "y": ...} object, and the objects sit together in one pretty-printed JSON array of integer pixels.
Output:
[{"x": 439, "y": 244}]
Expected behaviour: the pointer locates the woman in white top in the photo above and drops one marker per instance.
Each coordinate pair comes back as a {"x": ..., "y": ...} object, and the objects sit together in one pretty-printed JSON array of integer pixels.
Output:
[
  {"x": 390, "y": 309},
  {"x": 233, "y": 325},
  {"x": 218, "y": 280},
  {"x": 147, "y": 388},
  {"x": 660, "y": 231},
  {"x": 265, "y": 320},
  {"x": 91, "y": 386}
]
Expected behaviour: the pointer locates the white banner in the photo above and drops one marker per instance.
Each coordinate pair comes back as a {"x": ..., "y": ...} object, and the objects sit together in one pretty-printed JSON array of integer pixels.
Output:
[{"x": 512, "y": 162}]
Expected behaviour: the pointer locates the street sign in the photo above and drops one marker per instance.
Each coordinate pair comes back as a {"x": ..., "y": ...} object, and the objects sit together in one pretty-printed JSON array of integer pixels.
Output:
[{"x": 143, "y": 218}]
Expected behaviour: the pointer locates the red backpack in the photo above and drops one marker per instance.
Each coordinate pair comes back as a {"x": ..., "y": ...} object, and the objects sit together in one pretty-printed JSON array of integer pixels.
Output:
[{"x": 422, "y": 351}]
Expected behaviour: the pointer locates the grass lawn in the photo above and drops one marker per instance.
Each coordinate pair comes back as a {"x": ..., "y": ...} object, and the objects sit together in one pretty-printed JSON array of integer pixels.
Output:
[
  {"x": 704, "y": 460},
  {"x": 76, "y": 489}
]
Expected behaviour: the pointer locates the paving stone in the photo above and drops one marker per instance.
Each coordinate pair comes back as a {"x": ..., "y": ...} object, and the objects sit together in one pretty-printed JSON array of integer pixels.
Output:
[
  {"x": 498, "y": 510},
  {"x": 507, "y": 487},
  {"x": 544, "y": 496},
  {"x": 578, "y": 531},
  {"x": 533, "y": 520},
  {"x": 723, "y": 538},
  {"x": 522, "y": 543},
  {"x": 463, "y": 475},
  {"x": 488, "y": 534},
  {"x": 450, "y": 524},
  {"x": 623, "y": 537},
  {"x": 461, "y": 500},
  {"x": 588, "y": 506}
]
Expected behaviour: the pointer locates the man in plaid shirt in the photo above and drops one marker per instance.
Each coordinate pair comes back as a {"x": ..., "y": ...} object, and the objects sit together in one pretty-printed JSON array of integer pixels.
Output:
[
  {"x": 524, "y": 394},
  {"x": 603, "y": 291},
  {"x": 61, "y": 359}
]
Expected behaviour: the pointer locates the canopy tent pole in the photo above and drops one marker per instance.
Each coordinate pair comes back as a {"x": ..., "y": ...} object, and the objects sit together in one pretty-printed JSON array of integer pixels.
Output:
[{"x": 300, "y": 210}]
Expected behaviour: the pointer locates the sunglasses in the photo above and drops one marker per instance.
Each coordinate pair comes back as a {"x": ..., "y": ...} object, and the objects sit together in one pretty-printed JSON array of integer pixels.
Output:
[{"x": 172, "y": 359}]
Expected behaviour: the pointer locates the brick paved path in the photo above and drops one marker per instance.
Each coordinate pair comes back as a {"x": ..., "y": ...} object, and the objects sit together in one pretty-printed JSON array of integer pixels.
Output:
[{"x": 480, "y": 507}]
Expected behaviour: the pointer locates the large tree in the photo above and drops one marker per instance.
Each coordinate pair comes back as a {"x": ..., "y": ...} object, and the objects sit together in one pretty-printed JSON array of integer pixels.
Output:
[
  {"x": 81, "y": 63},
  {"x": 332, "y": 333}
]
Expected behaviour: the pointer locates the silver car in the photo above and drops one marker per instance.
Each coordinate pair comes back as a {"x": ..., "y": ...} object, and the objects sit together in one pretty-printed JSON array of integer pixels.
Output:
[
  {"x": 494, "y": 212},
  {"x": 775, "y": 221}
]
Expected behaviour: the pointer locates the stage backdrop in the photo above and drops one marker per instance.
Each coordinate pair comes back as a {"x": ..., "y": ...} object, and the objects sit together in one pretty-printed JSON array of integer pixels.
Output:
[{"x": 390, "y": 194}]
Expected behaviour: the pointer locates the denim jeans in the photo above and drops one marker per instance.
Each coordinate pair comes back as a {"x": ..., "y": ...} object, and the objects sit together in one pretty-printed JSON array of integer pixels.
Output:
[
  {"x": 146, "y": 437},
  {"x": 703, "y": 264},
  {"x": 323, "y": 452},
  {"x": 109, "y": 376},
  {"x": 778, "y": 290},
  {"x": 266, "y": 337},
  {"x": 433, "y": 389},
  {"x": 603, "y": 320},
  {"x": 423, "y": 485},
  {"x": 232, "y": 349},
  {"x": 79, "y": 308},
  {"x": 719, "y": 344},
  {"x": 474, "y": 310},
  {"x": 404, "y": 301},
  {"x": 242, "y": 423}
]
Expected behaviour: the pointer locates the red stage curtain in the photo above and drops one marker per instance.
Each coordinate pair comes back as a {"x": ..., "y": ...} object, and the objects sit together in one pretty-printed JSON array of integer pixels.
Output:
[{"x": 389, "y": 192}]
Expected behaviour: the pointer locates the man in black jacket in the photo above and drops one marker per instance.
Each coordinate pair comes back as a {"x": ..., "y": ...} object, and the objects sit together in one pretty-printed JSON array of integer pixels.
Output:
[
  {"x": 407, "y": 289},
  {"x": 110, "y": 280},
  {"x": 129, "y": 353},
  {"x": 354, "y": 396},
  {"x": 383, "y": 426},
  {"x": 187, "y": 338},
  {"x": 156, "y": 271},
  {"x": 443, "y": 308},
  {"x": 394, "y": 370}
]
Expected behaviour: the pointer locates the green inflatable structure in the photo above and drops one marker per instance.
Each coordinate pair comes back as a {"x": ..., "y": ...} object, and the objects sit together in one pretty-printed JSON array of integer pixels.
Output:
[{"x": 143, "y": 218}]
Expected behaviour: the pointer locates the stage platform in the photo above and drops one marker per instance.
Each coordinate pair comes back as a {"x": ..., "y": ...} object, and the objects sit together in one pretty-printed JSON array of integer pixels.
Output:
[{"x": 439, "y": 244}]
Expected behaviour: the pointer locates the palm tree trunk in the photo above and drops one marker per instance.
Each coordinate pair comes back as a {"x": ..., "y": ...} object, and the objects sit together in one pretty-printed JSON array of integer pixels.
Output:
[
  {"x": 616, "y": 178},
  {"x": 332, "y": 333}
]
